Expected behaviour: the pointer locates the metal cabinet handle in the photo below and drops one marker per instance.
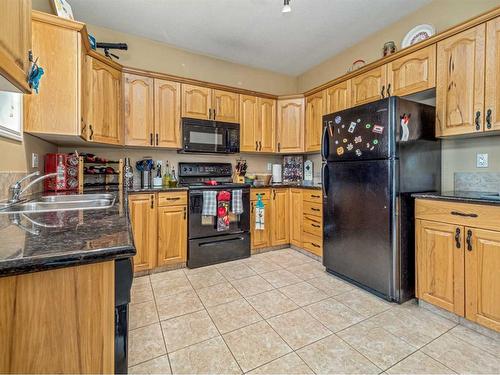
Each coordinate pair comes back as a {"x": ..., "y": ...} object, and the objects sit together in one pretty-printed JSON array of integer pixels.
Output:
[
  {"x": 91, "y": 132},
  {"x": 173, "y": 199},
  {"x": 260, "y": 146},
  {"x": 152, "y": 201},
  {"x": 388, "y": 90},
  {"x": 478, "y": 120},
  {"x": 457, "y": 213},
  {"x": 185, "y": 213},
  {"x": 279, "y": 146},
  {"x": 382, "y": 91},
  {"x": 315, "y": 209},
  {"x": 210, "y": 113},
  {"x": 469, "y": 240},
  {"x": 256, "y": 146},
  {"x": 157, "y": 139},
  {"x": 312, "y": 243},
  {"x": 214, "y": 113},
  {"x": 252, "y": 207},
  {"x": 274, "y": 195},
  {"x": 457, "y": 238},
  {"x": 151, "y": 139},
  {"x": 315, "y": 196},
  {"x": 315, "y": 225},
  {"x": 488, "y": 118}
]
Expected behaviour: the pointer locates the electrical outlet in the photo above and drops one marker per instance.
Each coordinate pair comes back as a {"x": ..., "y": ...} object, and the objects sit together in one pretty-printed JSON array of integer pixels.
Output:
[
  {"x": 34, "y": 160},
  {"x": 269, "y": 167},
  {"x": 482, "y": 160}
]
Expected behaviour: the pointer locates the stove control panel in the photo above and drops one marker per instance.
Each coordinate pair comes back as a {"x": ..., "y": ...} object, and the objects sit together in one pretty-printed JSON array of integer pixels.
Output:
[{"x": 205, "y": 169}]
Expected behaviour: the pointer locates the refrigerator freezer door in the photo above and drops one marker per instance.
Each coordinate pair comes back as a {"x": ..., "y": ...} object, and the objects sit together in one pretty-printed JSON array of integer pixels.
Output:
[
  {"x": 358, "y": 220},
  {"x": 360, "y": 133}
]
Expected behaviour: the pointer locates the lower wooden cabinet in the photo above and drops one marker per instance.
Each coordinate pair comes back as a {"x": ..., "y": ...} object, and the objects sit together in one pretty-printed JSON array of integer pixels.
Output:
[
  {"x": 260, "y": 238},
  {"x": 296, "y": 218},
  {"x": 458, "y": 260},
  {"x": 280, "y": 217},
  {"x": 159, "y": 226}
]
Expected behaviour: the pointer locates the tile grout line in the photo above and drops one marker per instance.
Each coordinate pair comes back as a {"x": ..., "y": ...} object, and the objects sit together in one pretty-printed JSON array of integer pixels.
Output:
[{"x": 161, "y": 329}]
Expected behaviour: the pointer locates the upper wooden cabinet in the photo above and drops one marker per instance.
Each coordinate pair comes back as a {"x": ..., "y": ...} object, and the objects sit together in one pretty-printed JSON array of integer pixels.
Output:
[
  {"x": 56, "y": 109},
  {"x": 209, "y": 104},
  {"x": 492, "y": 79},
  {"x": 144, "y": 228},
  {"x": 460, "y": 83},
  {"x": 412, "y": 73},
  {"x": 226, "y": 106},
  {"x": 15, "y": 44},
  {"x": 369, "y": 86},
  {"x": 167, "y": 109},
  {"x": 138, "y": 99},
  {"x": 257, "y": 124},
  {"x": 280, "y": 217},
  {"x": 314, "y": 121},
  {"x": 290, "y": 132},
  {"x": 337, "y": 97},
  {"x": 101, "y": 102}
]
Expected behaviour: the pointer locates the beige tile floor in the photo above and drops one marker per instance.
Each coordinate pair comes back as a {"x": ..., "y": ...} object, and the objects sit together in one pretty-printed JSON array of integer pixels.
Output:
[{"x": 281, "y": 313}]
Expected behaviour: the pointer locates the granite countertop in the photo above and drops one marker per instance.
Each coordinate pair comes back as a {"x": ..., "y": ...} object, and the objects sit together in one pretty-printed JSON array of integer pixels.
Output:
[
  {"x": 462, "y": 196},
  {"x": 155, "y": 189},
  {"x": 42, "y": 241},
  {"x": 290, "y": 185}
]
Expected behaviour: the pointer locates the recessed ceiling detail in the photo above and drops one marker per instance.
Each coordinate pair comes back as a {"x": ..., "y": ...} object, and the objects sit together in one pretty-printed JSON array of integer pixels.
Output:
[{"x": 250, "y": 32}]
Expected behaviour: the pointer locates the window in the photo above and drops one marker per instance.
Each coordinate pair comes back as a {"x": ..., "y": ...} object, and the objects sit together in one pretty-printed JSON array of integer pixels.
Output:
[{"x": 11, "y": 115}]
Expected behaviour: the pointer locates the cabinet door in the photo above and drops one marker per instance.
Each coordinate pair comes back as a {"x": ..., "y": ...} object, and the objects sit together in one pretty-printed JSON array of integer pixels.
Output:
[
  {"x": 280, "y": 218},
  {"x": 172, "y": 235},
  {"x": 196, "y": 102},
  {"x": 266, "y": 124},
  {"x": 167, "y": 113},
  {"x": 138, "y": 97},
  {"x": 492, "y": 81},
  {"x": 103, "y": 106},
  {"x": 143, "y": 219},
  {"x": 296, "y": 218},
  {"x": 290, "y": 125},
  {"x": 56, "y": 108},
  {"x": 440, "y": 265},
  {"x": 15, "y": 42},
  {"x": 338, "y": 97},
  {"x": 460, "y": 83},
  {"x": 260, "y": 238},
  {"x": 482, "y": 277},
  {"x": 412, "y": 73},
  {"x": 368, "y": 86},
  {"x": 314, "y": 121},
  {"x": 226, "y": 106},
  {"x": 249, "y": 139}
]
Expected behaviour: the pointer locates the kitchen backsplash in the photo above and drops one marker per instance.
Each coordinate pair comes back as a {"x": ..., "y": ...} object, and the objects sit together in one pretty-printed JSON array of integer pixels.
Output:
[{"x": 477, "y": 181}]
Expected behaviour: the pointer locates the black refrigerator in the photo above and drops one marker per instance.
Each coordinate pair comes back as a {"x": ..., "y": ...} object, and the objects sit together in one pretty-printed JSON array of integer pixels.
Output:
[{"x": 374, "y": 157}]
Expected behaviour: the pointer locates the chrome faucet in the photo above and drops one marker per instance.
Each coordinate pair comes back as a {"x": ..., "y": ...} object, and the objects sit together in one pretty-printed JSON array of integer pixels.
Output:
[{"x": 16, "y": 189}]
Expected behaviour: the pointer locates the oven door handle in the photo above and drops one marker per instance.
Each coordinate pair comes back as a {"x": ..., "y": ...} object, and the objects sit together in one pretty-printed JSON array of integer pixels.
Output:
[{"x": 214, "y": 243}]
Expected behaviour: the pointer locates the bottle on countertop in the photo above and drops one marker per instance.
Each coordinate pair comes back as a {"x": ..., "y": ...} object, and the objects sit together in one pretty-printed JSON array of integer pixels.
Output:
[
  {"x": 128, "y": 174},
  {"x": 173, "y": 179},
  {"x": 166, "y": 175},
  {"x": 60, "y": 183}
]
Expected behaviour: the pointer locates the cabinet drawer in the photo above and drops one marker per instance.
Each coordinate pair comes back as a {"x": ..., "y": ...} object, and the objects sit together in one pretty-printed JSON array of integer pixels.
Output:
[
  {"x": 313, "y": 196},
  {"x": 265, "y": 194},
  {"x": 465, "y": 214},
  {"x": 312, "y": 225},
  {"x": 314, "y": 209},
  {"x": 174, "y": 198},
  {"x": 312, "y": 243}
]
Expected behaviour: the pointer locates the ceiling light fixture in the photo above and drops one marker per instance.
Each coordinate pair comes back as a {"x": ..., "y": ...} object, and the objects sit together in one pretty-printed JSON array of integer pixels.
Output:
[{"x": 286, "y": 7}]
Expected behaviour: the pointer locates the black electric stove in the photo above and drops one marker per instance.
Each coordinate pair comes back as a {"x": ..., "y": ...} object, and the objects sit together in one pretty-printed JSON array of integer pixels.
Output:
[{"x": 206, "y": 244}]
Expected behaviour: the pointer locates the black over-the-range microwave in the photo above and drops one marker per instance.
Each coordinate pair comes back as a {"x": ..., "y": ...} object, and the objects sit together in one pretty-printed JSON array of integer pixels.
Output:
[{"x": 210, "y": 136}]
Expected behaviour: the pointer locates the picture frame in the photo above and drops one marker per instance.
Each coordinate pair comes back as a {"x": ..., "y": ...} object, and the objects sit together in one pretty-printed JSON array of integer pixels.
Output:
[
  {"x": 11, "y": 115},
  {"x": 62, "y": 9}
]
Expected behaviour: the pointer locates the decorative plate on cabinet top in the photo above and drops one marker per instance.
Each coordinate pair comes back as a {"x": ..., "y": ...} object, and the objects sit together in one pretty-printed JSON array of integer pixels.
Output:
[{"x": 417, "y": 34}]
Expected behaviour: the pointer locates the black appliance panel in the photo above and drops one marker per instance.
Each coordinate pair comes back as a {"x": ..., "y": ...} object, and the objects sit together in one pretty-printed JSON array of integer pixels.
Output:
[
  {"x": 212, "y": 250},
  {"x": 210, "y": 136},
  {"x": 123, "y": 283}
]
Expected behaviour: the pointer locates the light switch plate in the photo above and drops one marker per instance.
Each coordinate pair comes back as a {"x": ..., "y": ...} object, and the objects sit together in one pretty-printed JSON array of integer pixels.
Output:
[
  {"x": 34, "y": 160},
  {"x": 269, "y": 166},
  {"x": 482, "y": 160}
]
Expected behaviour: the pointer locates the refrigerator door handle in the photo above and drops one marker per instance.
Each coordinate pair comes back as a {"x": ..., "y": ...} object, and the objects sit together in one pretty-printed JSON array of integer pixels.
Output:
[
  {"x": 324, "y": 138},
  {"x": 324, "y": 178}
]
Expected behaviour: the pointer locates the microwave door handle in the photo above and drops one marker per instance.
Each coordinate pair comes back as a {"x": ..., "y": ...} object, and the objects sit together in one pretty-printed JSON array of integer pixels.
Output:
[{"x": 226, "y": 136}]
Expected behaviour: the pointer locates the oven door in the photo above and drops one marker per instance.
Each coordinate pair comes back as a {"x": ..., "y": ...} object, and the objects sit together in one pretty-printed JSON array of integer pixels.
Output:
[
  {"x": 210, "y": 136},
  {"x": 200, "y": 226}
]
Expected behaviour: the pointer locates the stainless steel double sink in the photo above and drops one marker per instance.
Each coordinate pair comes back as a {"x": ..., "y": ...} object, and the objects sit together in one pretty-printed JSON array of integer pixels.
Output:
[{"x": 51, "y": 203}]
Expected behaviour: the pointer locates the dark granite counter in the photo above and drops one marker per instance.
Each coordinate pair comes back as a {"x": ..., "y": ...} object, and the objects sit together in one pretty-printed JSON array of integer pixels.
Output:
[
  {"x": 42, "y": 241},
  {"x": 462, "y": 196},
  {"x": 290, "y": 185},
  {"x": 159, "y": 189}
]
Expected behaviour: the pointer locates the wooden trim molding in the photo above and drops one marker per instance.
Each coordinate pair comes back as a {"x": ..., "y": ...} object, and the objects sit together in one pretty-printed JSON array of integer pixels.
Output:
[{"x": 56, "y": 21}]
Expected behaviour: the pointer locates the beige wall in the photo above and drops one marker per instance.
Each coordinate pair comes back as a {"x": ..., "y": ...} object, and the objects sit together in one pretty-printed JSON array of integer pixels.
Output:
[{"x": 442, "y": 14}]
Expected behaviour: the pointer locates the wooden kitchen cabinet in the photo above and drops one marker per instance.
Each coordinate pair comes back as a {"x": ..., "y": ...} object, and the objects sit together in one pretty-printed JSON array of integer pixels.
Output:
[
  {"x": 257, "y": 124},
  {"x": 338, "y": 97},
  {"x": 492, "y": 76},
  {"x": 196, "y": 102},
  {"x": 280, "y": 217},
  {"x": 56, "y": 109},
  {"x": 290, "y": 125},
  {"x": 440, "y": 265},
  {"x": 296, "y": 218},
  {"x": 167, "y": 109},
  {"x": 143, "y": 217},
  {"x": 226, "y": 106},
  {"x": 101, "y": 102},
  {"x": 15, "y": 44},
  {"x": 412, "y": 73},
  {"x": 482, "y": 281},
  {"x": 267, "y": 124},
  {"x": 315, "y": 109},
  {"x": 260, "y": 238},
  {"x": 139, "y": 110},
  {"x": 369, "y": 86},
  {"x": 460, "y": 83},
  {"x": 172, "y": 235}
]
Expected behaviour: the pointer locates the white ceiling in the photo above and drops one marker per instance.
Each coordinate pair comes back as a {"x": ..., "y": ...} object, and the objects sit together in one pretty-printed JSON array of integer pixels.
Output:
[{"x": 250, "y": 32}]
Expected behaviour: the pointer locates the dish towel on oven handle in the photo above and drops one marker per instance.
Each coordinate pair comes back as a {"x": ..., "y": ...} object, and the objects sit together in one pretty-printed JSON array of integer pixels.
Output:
[
  {"x": 237, "y": 202},
  {"x": 259, "y": 213},
  {"x": 223, "y": 199},
  {"x": 209, "y": 207}
]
